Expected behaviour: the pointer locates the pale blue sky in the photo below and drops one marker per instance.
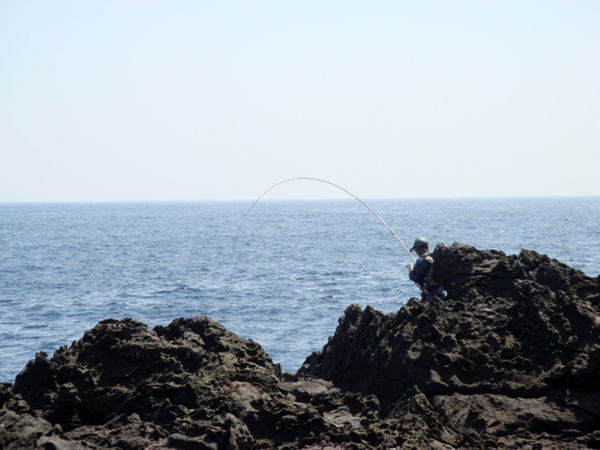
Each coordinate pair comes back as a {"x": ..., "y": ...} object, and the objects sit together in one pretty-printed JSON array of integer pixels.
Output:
[{"x": 195, "y": 100}]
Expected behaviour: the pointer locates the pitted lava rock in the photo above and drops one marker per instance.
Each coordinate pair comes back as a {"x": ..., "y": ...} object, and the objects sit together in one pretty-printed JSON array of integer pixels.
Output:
[
  {"x": 509, "y": 359},
  {"x": 190, "y": 385}
]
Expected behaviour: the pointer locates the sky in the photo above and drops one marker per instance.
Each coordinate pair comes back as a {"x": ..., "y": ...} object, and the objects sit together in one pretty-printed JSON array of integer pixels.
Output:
[{"x": 198, "y": 100}]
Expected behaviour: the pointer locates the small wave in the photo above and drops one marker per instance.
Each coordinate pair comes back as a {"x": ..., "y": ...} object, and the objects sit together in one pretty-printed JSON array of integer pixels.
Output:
[
  {"x": 135, "y": 295},
  {"x": 37, "y": 326},
  {"x": 335, "y": 273},
  {"x": 188, "y": 291}
]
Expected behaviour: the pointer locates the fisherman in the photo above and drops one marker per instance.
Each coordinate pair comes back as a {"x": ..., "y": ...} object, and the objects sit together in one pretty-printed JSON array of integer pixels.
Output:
[{"x": 421, "y": 273}]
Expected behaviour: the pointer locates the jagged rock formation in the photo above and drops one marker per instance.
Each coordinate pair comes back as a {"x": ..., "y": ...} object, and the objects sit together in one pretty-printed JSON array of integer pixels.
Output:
[
  {"x": 510, "y": 359},
  {"x": 190, "y": 385}
]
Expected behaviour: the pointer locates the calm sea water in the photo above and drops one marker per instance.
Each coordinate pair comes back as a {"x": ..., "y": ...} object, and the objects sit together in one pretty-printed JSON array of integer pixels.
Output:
[{"x": 295, "y": 267}]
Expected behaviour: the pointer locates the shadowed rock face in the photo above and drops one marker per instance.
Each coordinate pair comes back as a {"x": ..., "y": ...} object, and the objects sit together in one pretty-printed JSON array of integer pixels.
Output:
[
  {"x": 512, "y": 353},
  {"x": 510, "y": 359},
  {"x": 190, "y": 385}
]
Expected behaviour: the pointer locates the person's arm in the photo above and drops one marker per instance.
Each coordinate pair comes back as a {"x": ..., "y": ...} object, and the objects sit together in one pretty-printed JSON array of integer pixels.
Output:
[{"x": 417, "y": 274}]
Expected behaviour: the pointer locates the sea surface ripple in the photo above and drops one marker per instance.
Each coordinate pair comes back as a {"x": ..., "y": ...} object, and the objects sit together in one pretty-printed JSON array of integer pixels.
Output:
[{"x": 294, "y": 269}]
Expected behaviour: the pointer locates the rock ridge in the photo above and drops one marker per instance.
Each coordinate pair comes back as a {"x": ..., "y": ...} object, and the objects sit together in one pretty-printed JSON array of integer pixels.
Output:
[{"x": 514, "y": 333}]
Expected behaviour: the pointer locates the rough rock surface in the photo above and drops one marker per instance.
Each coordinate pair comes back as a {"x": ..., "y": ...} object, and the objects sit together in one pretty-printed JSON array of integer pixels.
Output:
[
  {"x": 510, "y": 359},
  {"x": 190, "y": 385}
]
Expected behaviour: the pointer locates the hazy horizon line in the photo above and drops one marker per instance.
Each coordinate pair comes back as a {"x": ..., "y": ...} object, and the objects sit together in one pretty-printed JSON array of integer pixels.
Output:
[{"x": 515, "y": 197}]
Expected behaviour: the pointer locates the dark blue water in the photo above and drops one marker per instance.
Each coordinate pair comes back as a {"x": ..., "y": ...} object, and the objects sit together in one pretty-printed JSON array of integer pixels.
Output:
[{"x": 296, "y": 265}]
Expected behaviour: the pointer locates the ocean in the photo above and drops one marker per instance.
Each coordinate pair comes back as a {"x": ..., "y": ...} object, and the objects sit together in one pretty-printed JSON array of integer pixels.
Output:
[{"x": 281, "y": 277}]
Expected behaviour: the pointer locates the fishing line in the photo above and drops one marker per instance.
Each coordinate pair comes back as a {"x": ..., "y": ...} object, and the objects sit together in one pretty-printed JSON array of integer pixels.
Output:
[{"x": 332, "y": 184}]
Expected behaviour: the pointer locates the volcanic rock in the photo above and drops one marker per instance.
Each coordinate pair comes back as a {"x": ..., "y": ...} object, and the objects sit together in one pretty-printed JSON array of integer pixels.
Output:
[
  {"x": 190, "y": 385},
  {"x": 510, "y": 358}
]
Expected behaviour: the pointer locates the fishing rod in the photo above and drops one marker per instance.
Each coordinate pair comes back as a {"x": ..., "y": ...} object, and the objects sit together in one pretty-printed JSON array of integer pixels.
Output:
[{"x": 332, "y": 184}]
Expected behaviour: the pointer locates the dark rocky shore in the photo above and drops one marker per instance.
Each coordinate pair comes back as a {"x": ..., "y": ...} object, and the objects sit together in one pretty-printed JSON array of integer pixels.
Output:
[{"x": 510, "y": 360}]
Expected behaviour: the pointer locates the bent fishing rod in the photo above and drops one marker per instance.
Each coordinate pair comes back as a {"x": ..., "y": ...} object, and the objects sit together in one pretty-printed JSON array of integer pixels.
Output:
[{"x": 331, "y": 184}]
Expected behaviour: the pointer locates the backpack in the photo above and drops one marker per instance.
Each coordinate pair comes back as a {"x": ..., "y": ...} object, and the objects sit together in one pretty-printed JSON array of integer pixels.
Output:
[{"x": 428, "y": 282}]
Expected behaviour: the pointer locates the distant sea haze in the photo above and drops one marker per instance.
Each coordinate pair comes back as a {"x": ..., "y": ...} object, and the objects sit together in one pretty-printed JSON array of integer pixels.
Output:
[{"x": 295, "y": 267}]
